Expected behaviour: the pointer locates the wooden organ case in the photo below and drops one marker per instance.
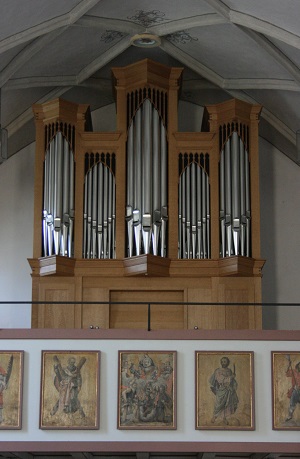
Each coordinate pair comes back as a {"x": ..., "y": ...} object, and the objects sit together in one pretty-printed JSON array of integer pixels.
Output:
[{"x": 146, "y": 214}]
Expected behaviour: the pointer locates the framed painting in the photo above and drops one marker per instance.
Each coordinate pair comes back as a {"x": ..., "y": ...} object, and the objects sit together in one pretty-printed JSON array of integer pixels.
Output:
[
  {"x": 286, "y": 390},
  {"x": 224, "y": 390},
  {"x": 70, "y": 390},
  {"x": 147, "y": 390},
  {"x": 11, "y": 388}
]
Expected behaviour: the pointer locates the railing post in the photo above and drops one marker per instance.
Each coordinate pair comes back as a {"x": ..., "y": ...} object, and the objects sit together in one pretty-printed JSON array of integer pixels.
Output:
[{"x": 149, "y": 317}]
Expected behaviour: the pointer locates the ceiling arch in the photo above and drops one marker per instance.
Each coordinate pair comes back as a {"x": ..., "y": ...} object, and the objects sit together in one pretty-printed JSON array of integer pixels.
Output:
[{"x": 232, "y": 48}]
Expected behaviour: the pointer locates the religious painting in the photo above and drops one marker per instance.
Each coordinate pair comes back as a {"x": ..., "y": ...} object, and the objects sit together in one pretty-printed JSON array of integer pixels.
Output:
[
  {"x": 286, "y": 390},
  {"x": 11, "y": 387},
  {"x": 70, "y": 390},
  {"x": 147, "y": 390},
  {"x": 224, "y": 390}
]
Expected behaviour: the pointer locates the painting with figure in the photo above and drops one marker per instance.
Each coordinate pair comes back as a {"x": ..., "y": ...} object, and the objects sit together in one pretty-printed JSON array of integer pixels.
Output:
[
  {"x": 224, "y": 390},
  {"x": 147, "y": 390},
  {"x": 286, "y": 390},
  {"x": 70, "y": 390},
  {"x": 11, "y": 386}
]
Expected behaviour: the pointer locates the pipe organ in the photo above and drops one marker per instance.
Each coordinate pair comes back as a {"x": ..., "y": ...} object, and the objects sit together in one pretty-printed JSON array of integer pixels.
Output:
[{"x": 146, "y": 214}]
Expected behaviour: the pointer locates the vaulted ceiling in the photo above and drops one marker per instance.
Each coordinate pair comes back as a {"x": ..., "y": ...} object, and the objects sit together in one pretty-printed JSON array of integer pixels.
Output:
[{"x": 232, "y": 48}]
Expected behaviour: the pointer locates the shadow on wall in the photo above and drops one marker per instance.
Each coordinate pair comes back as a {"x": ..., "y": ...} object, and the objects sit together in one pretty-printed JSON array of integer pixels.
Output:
[{"x": 268, "y": 225}]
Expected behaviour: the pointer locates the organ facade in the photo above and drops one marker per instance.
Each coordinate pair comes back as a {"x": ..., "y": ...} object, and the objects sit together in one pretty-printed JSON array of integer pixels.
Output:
[{"x": 147, "y": 219}]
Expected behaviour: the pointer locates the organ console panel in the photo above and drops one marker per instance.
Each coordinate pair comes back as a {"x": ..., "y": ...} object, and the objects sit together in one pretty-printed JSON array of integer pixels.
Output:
[{"x": 146, "y": 214}]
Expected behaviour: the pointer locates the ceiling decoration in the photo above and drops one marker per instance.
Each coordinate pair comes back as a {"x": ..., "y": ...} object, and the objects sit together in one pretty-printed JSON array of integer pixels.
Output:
[{"x": 229, "y": 48}]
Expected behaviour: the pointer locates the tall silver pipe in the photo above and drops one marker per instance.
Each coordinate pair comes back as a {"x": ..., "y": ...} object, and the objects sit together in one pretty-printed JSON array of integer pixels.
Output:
[
  {"x": 204, "y": 213},
  {"x": 58, "y": 207},
  {"x": 109, "y": 214},
  {"x": 163, "y": 188},
  {"x": 130, "y": 190},
  {"x": 243, "y": 199},
  {"x": 228, "y": 212},
  {"x": 180, "y": 218},
  {"x": 188, "y": 211},
  {"x": 85, "y": 212},
  {"x": 89, "y": 213},
  {"x": 46, "y": 204},
  {"x": 248, "y": 204},
  {"x": 71, "y": 204},
  {"x": 183, "y": 199},
  {"x": 114, "y": 219},
  {"x": 207, "y": 216},
  {"x": 100, "y": 198},
  {"x": 222, "y": 203},
  {"x": 105, "y": 213},
  {"x": 66, "y": 193},
  {"x": 193, "y": 209},
  {"x": 200, "y": 251},
  {"x": 235, "y": 191},
  {"x": 147, "y": 141},
  {"x": 94, "y": 210},
  {"x": 137, "y": 211},
  {"x": 194, "y": 213},
  {"x": 147, "y": 174},
  {"x": 156, "y": 208}
]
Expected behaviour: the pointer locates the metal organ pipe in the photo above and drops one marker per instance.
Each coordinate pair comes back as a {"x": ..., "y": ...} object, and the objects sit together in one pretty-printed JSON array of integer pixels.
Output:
[
  {"x": 164, "y": 190},
  {"x": 147, "y": 181},
  {"x": 234, "y": 198},
  {"x": 147, "y": 171},
  {"x": 147, "y": 174},
  {"x": 58, "y": 211},
  {"x": 99, "y": 212},
  {"x": 194, "y": 208}
]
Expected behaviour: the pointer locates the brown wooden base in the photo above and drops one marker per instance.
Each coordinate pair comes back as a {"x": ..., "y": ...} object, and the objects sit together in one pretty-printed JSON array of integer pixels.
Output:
[{"x": 182, "y": 294}]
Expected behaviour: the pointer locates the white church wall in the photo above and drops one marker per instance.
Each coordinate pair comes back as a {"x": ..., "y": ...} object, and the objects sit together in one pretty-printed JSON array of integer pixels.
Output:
[
  {"x": 280, "y": 226},
  {"x": 16, "y": 243}
]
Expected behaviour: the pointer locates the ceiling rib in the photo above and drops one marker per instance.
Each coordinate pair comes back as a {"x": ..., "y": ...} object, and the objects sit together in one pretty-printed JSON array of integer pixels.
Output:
[
  {"x": 30, "y": 50},
  {"x": 273, "y": 51},
  {"x": 47, "y": 26},
  {"x": 254, "y": 23},
  {"x": 192, "y": 63},
  {"x": 187, "y": 23},
  {"x": 104, "y": 59},
  {"x": 109, "y": 24}
]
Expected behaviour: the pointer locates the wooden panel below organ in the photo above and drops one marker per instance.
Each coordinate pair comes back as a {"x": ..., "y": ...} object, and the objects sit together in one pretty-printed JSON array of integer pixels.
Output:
[
  {"x": 55, "y": 313},
  {"x": 243, "y": 316},
  {"x": 95, "y": 315},
  {"x": 136, "y": 315},
  {"x": 204, "y": 316}
]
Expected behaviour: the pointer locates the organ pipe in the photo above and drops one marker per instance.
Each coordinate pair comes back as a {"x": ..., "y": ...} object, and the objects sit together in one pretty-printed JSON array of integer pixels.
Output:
[
  {"x": 58, "y": 211},
  {"x": 99, "y": 212},
  {"x": 146, "y": 183},
  {"x": 235, "y": 211},
  {"x": 194, "y": 210}
]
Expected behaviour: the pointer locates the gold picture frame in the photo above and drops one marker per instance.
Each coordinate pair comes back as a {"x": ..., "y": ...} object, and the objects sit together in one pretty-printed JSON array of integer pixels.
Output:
[
  {"x": 286, "y": 390},
  {"x": 70, "y": 390},
  {"x": 224, "y": 390},
  {"x": 147, "y": 390},
  {"x": 11, "y": 389}
]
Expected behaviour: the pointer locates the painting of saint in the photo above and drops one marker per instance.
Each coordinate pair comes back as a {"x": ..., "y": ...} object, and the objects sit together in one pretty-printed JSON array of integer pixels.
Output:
[
  {"x": 224, "y": 390},
  {"x": 11, "y": 375},
  {"x": 286, "y": 390},
  {"x": 146, "y": 398},
  {"x": 70, "y": 390}
]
